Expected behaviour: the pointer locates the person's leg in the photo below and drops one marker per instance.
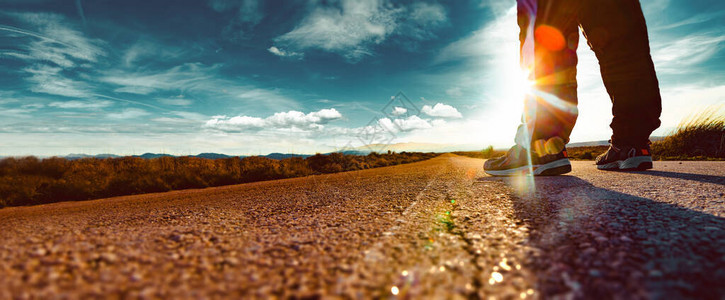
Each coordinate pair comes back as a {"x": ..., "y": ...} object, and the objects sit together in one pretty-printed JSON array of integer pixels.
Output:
[
  {"x": 549, "y": 36},
  {"x": 617, "y": 32}
]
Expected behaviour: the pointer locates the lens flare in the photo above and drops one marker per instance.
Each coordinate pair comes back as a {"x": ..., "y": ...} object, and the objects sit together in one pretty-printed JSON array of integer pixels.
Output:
[
  {"x": 394, "y": 290},
  {"x": 549, "y": 37}
]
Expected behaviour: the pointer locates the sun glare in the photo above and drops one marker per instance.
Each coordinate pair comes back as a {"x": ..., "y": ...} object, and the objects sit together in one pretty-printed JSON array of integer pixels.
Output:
[
  {"x": 518, "y": 81},
  {"x": 523, "y": 81}
]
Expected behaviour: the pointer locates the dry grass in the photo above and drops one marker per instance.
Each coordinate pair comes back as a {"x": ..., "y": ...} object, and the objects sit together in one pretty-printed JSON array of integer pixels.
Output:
[
  {"x": 698, "y": 137},
  {"x": 485, "y": 153},
  {"x": 585, "y": 152},
  {"x": 701, "y": 136},
  {"x": 29, "y": 180}
]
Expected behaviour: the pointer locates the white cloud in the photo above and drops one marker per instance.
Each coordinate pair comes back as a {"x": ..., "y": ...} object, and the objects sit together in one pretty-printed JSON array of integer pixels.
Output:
[
  {"x": 283, "y": 53},
  {"x": 498, "y": 7},
  {"x": 679, "y": 102},
  {"x": 16, "y": 113},
  {"x": 238, "y": 123},
  {"x": 281, "y": 120},
  {"x": 152, "y": 50},
  {"x": 493, "y": 40},
  {"x": 428, "y": 13},
  {"x": 682, "y": 54},
  {"x": 134, "y": 89},
  {"x": 190, "y": 115},
  {"x": 351, "y": 27},
  {"x": 348, "y": 29},
  {"x": 301, "y": 120},
  {"x": 49, "y": 80},
  {"x": 56, "y": 41},
  {"x": 50, "y": 48},
  {"x": 198, "y": 80},
  {"x": 33, "y": 105},
  {"x": 419, "y": 20},
  {"x": 397, "y": 111},
  {"x": 408, "y": 124},
  {"x": 695, "y": 19},
  {"x": 74, "y": 104},
  {"x": 181, "y": 77},
  {"x": 129, "y": 113},
  {"x": 266, "y": 97},
  {"x": 441, "y": 110}
]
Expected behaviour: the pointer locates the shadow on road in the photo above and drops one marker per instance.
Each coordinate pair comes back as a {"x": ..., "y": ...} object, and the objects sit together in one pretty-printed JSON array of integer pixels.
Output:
[
  {"x": 694, "y": 177},
  {"x": 602, "y": 243}
]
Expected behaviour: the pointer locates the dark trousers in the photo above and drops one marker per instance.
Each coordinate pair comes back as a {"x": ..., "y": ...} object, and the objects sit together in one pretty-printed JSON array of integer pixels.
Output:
[{"x": 616, "y": 31}]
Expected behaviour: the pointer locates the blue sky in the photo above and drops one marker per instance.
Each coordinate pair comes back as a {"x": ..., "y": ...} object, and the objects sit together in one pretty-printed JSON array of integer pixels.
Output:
[{"x": 253, "y": 77}]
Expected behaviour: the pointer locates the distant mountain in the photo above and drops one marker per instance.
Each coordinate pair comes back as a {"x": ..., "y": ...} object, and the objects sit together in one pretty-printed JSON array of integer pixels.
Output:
[
  {"x": 415, "y": 147},
  {"x": 606, "y": 143},
  {"x": 212, "y": 155},
  {"x": 280, "y": 156},
  {"x": 588, "y": 144},
  {"x": 153, "y": 155},
  {"x": 362, "y": 150},
  {"x": 207, "y": 155},
  {"x": 353, "y": 152},
  {"x": 73, "y": 156}
]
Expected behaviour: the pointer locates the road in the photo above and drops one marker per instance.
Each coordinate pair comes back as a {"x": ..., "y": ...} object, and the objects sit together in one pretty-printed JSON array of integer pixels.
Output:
[{"x": 434, "y": 229}]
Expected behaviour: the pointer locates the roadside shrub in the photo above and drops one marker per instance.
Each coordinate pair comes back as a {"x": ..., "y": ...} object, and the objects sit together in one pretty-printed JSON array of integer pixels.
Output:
[
  {"x": 29, "y": 180},
  {"x": 486, "y": 153},
  {"x": 701, "y": 136}
]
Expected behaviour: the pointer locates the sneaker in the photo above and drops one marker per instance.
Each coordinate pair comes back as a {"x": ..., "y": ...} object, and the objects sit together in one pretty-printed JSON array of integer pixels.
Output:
[
  {"x": 625, "y": 158},
  {"x": 515, "y": 162}
]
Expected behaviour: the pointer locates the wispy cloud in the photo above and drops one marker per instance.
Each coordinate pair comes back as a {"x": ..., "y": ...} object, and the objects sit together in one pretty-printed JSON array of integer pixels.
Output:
[
  {"x": 82, "y": 14},
  {"x": 129, "y": 113},
  {"x": 495, "y": 39},
  {"x": 178, "y": 78},
  {"x": 692, "y": 20},
  {"x": 351, "y": 27},
  {"x": 48, "y": 79},
  {"x": 420, "y": 19},
  {"x": 74, "y": 104},
  {"x": 271, "y": 98},
  {"x": 283, "y": 53},
  {"x": 682, "y": 55},
  {"x": 147, "y": 49},
  {"x": 52, "y": 50},
  {"x": 57, "y": 42}
]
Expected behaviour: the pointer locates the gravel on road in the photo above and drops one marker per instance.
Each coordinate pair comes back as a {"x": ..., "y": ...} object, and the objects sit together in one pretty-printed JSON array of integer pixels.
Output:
[{"x": 433, "y": 229}]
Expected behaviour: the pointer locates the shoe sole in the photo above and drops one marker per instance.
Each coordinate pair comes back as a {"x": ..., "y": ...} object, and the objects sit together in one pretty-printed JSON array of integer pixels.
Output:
[
  {"x": 633, "y": 163},
  {"x": 556, "y": 167}
]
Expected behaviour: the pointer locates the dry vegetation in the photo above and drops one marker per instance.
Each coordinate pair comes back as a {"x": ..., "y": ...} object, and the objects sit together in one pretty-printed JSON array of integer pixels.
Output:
[
  {"x": 701, "y": 137},
  {"x": 485, "y": 153},
  {"x": 698, "y": 137},
  {"x": 29, "y": 180}
]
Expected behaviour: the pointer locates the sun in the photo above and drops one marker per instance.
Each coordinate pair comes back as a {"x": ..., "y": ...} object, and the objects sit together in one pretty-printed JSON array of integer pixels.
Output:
[{"x": 520, "y": 82}]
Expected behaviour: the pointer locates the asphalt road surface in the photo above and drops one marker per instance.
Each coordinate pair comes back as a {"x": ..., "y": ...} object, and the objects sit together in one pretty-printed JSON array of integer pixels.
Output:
[{"x": 433, "y": 229}]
